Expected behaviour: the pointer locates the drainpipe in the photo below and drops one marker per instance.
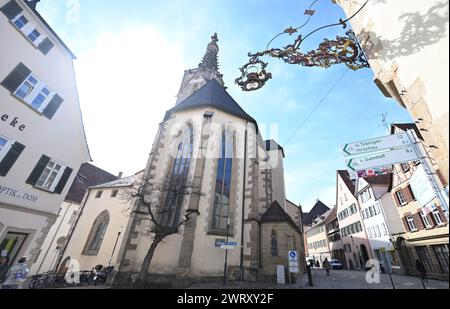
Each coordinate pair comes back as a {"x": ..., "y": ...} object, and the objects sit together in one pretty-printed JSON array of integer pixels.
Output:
[
  {"x": 63, "y": 251},
  {"x": 243, "y": 203}
]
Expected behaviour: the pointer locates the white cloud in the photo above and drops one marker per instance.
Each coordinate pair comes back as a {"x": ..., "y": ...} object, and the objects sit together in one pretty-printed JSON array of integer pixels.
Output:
[{"x": 126, "y": 82}]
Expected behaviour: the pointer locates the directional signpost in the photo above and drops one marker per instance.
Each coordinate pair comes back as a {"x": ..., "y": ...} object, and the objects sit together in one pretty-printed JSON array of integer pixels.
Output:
[
  {"x": 377, "y": 144},
  {"x": 374, "y": 157},
  {"x": 385, "y": 158}
]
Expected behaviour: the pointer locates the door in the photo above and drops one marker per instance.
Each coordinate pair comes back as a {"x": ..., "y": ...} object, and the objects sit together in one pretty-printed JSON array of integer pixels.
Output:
[{"x": 11, "y": 246}]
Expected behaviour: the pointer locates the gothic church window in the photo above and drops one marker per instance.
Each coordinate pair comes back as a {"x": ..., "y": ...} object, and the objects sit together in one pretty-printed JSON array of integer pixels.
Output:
[
  {"x": 97, "y": 234},
  {"x": 223, "y": 183},
  {"x": 274, "y": 244},
  {"x": 172, "y": 208}
]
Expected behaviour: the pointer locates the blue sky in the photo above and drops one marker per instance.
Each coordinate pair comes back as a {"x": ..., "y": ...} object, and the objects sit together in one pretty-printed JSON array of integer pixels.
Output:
[{"x": 132, "y": 56}]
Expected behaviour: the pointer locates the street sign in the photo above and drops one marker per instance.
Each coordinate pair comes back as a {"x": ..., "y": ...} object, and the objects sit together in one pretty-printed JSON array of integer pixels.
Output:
[
  {"x": 421, "y": 186},
  {"x": 293, "y": 270},
  {"x": 220, "y": 242},
  {"x": 293, "y": 264},
  {"x": 382, "y": 159},
  {"x": 227, "y": 247},
  {"x": 293, "y": 256},
  {"x": 377, "y": 144}
]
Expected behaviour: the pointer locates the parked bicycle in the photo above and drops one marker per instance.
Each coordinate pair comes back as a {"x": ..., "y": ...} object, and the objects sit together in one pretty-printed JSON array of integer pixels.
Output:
[{"x": 52, "y": 280}]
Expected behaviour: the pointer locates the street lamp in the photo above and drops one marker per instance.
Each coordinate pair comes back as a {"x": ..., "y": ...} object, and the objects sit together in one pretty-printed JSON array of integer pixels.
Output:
[
  {"x": 225, "y": 270},
  {"x": 112, "y": 254}
]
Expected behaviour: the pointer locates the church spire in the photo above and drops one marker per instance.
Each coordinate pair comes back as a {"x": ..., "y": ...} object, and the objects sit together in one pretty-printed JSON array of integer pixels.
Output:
[
  {"x": 210, "y": 60},
  {"x": 207, "y": 70}
]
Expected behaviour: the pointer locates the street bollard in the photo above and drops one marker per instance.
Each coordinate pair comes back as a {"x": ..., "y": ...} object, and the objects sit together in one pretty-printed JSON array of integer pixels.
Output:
[{"x": 310, "y": 282}]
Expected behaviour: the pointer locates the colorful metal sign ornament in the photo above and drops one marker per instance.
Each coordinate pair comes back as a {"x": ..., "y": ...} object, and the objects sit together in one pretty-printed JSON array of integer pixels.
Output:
[{"x": 343, "y": 50}]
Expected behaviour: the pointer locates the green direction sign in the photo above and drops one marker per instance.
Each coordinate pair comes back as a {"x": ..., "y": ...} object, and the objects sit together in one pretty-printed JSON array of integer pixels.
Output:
[
  {"x": 377, "y": 144},
  {"x": 381, "y": 159}
]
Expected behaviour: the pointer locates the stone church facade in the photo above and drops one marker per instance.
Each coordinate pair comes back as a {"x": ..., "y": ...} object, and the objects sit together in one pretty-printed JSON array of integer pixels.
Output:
[{"x": 211, "y": 139}]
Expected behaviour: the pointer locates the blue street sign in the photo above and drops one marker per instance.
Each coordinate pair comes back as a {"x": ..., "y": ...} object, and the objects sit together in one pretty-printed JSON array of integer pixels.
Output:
[{"x": 293, "y": 255}]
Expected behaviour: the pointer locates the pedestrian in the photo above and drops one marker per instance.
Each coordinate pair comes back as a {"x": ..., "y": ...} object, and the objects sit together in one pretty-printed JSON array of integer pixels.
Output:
[
  {"x": 16, "y": 275},
  {"x": 311, "y": 264},
  {"x": 3, "y": 268},
  {"x": 421, "y": 269},
  {"x": 327, "y": 266}
]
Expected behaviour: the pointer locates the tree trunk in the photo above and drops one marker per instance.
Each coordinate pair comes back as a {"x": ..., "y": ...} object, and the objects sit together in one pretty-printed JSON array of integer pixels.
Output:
[{"x": 148, "y": 259}]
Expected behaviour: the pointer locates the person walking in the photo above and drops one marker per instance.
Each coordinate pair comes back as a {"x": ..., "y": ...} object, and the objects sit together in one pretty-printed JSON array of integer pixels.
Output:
[
  {"x": 3, "y": 268},
  {"x": 16, "y": 275},
  {"x": 327, "y": 266},
  {"x": 421, "y": 269}
]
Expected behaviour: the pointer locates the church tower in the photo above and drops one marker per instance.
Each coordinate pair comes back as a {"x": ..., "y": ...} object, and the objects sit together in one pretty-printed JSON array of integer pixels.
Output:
[{"x": 207, "y": 70}]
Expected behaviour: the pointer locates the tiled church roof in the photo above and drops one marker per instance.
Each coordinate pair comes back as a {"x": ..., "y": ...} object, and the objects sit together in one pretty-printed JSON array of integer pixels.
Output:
[
  {"x": 214, "y": 95},
  {"x": 276, "y": 214}
]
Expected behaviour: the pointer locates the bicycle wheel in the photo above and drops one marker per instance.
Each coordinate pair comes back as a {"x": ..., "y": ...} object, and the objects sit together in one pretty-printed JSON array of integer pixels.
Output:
[{"x": 33, "y": 283}]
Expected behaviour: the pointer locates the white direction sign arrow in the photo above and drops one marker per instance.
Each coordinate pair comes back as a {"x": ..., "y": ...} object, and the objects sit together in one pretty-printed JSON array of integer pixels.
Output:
[
  {"x": 380, "y": 159},
  {"x": 377, "y": 144}
]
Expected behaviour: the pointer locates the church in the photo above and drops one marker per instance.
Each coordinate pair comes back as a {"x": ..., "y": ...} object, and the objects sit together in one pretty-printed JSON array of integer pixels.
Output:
[{"x": 211, "y": 140}]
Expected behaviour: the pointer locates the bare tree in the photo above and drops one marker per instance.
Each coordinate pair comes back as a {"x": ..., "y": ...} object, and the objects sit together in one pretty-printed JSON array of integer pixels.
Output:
[{"x": 161, "y": 204}]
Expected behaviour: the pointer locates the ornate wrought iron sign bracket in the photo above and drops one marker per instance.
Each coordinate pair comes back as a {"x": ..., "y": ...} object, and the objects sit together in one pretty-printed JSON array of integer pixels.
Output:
[{"x": 343, "y": 50}]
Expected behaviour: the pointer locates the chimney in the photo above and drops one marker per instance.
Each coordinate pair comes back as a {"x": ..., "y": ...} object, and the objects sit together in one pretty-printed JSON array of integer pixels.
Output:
[{"x": 120, "y": 175}]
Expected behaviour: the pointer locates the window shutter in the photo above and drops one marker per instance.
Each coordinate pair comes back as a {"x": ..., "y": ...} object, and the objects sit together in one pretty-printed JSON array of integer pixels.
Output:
[
  {"x": 443, "y": 216},
  {"x": 37, "y": 171},
  {"x": 53, "y": 106},
  {"x": 444, "y": 181},
  {"x": 411, "y": 193},
  {"x": 407, "y": 194},
  {"x": 11, "y": 9},
  {"x": 63, "y": 181},
  {"x": 397, "y": 201},
  {"x": 45, "y": 46},
  {"x": 431, "y": 219},
  {"x": 405, "y": 223},
  {"x": 16, "y": 77},
  {"x": 418, "y": 221},
  {"x": 11, "y": 158}
]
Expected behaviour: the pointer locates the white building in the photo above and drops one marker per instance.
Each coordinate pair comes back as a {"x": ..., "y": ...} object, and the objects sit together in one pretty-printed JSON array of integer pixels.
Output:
[
  {"x": 380, "y": 218},
  {"x": 353, "y": 233},
  {"x": 56, "y": 241},
  {"x": 42, "y": 140}
]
